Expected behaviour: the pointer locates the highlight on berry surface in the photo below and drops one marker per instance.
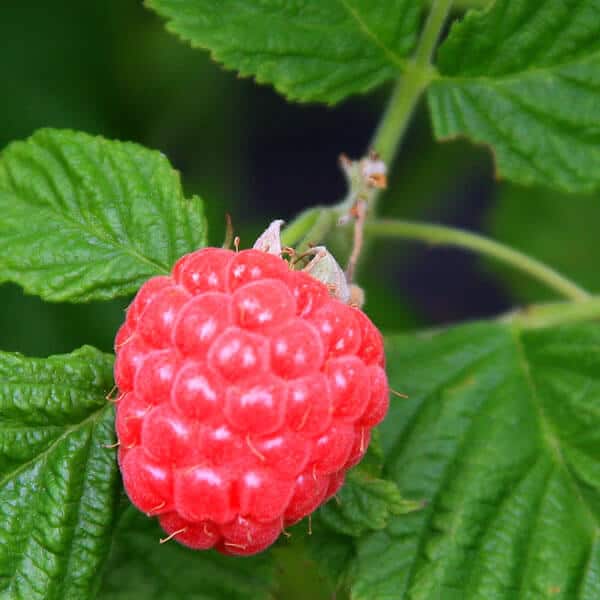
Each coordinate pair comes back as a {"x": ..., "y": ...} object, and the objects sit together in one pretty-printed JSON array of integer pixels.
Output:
[{"x": 247, "y": 389}]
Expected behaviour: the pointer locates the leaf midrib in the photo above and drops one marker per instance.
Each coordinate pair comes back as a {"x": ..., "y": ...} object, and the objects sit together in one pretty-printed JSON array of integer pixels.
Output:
[
  {"x": 97, "y": 414},
  {"x": 94, "y": 418},
  {"x": 102, "y": 236},
  {"x": 370, "y": 35},
  {"x": 551, "y": 440},
  {"x": 551, "y": 443},
  {"x": 516, "y": 76},
  {"x": 67, "y": 566}
]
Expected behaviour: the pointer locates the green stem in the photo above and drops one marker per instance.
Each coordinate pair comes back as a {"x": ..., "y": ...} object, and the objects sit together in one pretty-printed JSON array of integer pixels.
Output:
[
  {"x": 432, "y": 31},
  {"x": 462, "y": 5},
  {"x": 312, "y": 226},
  {"x": 538, "y": 316},
  {"x": 441, "y": 235},
  {"x": 397, "y": 116},
  {"x": 386, "y": 141},
  {"x": 409, "y": 89},
  {"x": 293, "y": 233}
]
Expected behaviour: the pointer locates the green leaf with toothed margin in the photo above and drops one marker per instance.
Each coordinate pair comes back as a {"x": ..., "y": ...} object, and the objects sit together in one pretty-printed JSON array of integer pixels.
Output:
[
  {"x": 366, "y": 501},
  {"x": 58, "y": 481},
  {"x": 141, "y": 567},
  {"x": 501, "y": 435},
  {"x": 84, "y": 218},
  {"x": 364, "y": 504},
  {"x": 310, "y": 51},
  {"x": 524, "y": 77}
]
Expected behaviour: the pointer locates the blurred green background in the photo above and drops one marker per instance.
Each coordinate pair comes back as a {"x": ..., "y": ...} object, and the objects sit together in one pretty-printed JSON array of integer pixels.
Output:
[{"x": 110, "y": 68}]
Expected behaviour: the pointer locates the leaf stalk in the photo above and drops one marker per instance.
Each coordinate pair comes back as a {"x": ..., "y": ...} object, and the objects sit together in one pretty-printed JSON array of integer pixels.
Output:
[
  {"x": 409, "y": 89},
  {"x": 449, "y": 236}
]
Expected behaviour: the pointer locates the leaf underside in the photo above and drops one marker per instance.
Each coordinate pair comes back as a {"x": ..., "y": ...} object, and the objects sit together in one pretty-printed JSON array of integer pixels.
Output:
[
  {"x": 84, "y": 218},
  {"x": 524, "y": 77},
  {"x": 501, "y": 436},
  {"x": 310, "y": 51},
  {"x": 58, "y": 483}
]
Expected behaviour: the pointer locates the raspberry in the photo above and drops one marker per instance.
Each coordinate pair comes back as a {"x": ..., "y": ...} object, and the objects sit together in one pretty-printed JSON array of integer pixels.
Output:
[{"x": 246, "y": 391}]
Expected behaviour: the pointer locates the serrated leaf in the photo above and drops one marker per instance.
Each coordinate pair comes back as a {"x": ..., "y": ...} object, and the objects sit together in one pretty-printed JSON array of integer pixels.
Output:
[
  {"x": 141, "y": 567},
  {"x": 524, "y": 77},
  {"x": 501, "y": 435},
  {"x": 57, "y": 480},
  {"x": 565, "y": 228},
  {"x": 365, "y": 503},
  {"x": 84, "y": 218},
  {"x": 310, "y": 51}
]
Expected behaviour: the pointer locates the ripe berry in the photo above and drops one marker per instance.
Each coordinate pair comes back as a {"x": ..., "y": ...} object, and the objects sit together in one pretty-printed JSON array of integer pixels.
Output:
[{"x": 246, "y": 393}]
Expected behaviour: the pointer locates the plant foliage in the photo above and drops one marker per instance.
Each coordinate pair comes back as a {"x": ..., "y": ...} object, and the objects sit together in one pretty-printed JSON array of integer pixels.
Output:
[{"x": 497, "y": 445}]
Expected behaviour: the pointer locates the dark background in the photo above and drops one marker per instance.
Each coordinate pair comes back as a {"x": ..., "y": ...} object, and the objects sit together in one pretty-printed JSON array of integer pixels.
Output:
[{"x": 110, "y": 68}]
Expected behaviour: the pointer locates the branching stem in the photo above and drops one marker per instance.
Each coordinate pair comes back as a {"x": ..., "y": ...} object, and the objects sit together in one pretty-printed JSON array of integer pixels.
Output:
[
  {"x": 412, "y": 84},
  {"x": 313, "y": 226}
]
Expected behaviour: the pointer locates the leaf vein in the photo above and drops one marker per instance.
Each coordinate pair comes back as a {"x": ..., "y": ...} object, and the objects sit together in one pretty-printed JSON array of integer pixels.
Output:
[
  {"x": 549, "y": 436},
  {"x": 24, "y": 466},
  {"x": 369, "y": 34}
]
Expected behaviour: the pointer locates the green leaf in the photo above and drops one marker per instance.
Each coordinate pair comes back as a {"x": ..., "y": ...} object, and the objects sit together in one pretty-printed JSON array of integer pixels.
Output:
[
  {"x": 310, "y": 51},
  {"x": 365, "y": 503},
  {"x": 554, "y": 227},
  {"x": 333, "y": 554},
  {"x": 524, "y": 77},
  {"x": 57, "y": 480},
  {"x": 501, "y": 434},
  {"x": 141, "y": 567},
  {"x": 84, "y": 218}
]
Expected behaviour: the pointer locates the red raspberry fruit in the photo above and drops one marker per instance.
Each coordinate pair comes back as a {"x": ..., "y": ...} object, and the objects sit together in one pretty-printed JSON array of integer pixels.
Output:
[{"x": 246, "y": 393}]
